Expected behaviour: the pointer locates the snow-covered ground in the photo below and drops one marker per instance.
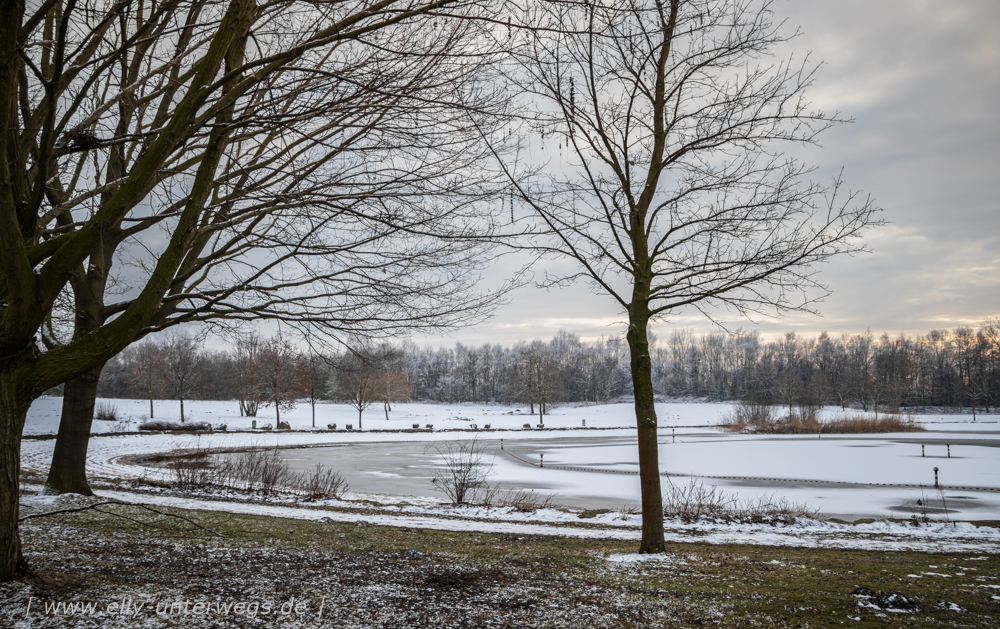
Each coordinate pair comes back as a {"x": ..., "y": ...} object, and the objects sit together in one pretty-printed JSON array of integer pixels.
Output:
[
  {"x": 840, "y": 475},
  {"x": 43, "y": 417}
]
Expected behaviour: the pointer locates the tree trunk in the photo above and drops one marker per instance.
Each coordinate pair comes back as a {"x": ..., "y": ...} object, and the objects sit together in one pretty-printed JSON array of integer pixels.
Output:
[
  {"x": 385, "y": 407},
  {"x": 182, "y": 409},
  {"x": 151, "y": 405},
  {"x": 277, "y": 413},
  {"x": 645, "y": 417},
  {"x": 68, "y": 472},
  {"x": 14, "y": 403},
  {"x": 359, "y": 418}
]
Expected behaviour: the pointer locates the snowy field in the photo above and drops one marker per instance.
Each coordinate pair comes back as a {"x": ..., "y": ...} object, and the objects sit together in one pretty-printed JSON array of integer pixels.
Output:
[{"x": 848, "y": 476}]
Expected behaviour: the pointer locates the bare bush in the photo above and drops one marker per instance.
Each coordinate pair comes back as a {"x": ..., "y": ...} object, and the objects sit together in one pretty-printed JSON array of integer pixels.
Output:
[
  {"x": 192, "y": 470},
  {"x": 106, "y": 412},
  {"x": 520, "y": 500},
  {"x": 321, "y": 483},
  {"x": 465, "y": 473},
  {"x": 694, "y": 501},
  {"x": 749, "y": 413},
  {"x": 255, "y": 470}
]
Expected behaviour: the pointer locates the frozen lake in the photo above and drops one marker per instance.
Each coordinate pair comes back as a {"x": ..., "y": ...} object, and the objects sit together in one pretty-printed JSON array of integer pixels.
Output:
[{"x": 841, "y": 475}]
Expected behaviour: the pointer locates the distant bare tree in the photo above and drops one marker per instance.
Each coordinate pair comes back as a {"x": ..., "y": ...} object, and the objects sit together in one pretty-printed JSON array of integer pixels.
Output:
[
  {"x": 145, "y": 368},
  {"x": 663, "y": 179},
  {"x": 181, "y": 366},
  {"x": 280, "y": 376},
  {"x": 393, "y": 387},
  {"x": 319, "y": 380},
  {"x": 361, "y": 375}
]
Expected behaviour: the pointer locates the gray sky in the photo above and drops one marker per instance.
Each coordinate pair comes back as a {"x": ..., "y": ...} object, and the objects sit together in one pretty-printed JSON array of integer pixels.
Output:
[{"x": 922, "y": 80}]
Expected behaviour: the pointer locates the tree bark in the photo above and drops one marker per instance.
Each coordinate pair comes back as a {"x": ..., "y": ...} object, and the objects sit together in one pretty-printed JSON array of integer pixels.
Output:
[
  {"x": 68, "y": 472},
  {"x": 14, "y": 403},
  {"x": 645, "y": 416}
]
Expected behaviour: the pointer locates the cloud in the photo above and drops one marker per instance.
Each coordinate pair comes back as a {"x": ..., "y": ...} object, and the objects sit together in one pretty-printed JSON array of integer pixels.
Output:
[{"x": 921, "y": 79}]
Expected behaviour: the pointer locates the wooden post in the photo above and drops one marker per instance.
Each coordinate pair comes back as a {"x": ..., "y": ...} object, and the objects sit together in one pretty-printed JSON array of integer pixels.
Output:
[{"x": 936, "y": 477}]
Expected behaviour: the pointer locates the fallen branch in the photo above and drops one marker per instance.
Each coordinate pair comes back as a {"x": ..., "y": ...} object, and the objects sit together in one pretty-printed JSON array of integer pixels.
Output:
[
  {"x": 118, "y": 515},
  {"x": 174, "y": 515},
  {"x": 74, "y": 510}
]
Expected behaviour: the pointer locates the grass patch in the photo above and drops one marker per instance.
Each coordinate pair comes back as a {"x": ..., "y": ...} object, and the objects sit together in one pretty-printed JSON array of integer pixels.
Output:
[{"x": 372, "y": 576}]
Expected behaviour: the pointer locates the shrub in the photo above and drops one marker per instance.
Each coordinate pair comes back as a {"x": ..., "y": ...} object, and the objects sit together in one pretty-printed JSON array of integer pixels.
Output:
[
  {"x": 192, "y": 470},
  {"x": 175, "y": 426},
  {"x": 260, "y": 470},
  {"x": 106, "y": 412},
  {"x": 465, "y": 470},
  {"x": 321, "y": 483},
  {"x": 695, "y": 501}
]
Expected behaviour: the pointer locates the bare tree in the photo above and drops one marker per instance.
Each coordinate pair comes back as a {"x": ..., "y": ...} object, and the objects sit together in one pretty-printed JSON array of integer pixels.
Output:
[
  {"x": 145, "y": 370},
  {"x": 538, "y": 378},
  {"x": 393, "y": 387},
  {"x": 319, "y": 380},
  {"x": 280, "y": 376},
  {"x": 181, "y": 366},
  {"x": 304, "y": 162},
  {"x": 661, "y": 126},
  {"x": 246, "y": 355},
  {"x": 360, "y": 377}
]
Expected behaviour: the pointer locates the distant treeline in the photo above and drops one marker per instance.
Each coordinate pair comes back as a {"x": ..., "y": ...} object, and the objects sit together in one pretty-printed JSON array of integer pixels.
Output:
[{"x": 957, "y": 369}]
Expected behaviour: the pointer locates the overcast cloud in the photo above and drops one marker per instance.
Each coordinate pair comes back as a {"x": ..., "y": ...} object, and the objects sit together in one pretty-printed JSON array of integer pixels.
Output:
[{"x": 922, "y": 81}]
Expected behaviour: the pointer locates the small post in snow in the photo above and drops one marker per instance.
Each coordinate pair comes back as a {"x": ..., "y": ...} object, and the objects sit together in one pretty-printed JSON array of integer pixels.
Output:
[
  {"x": 949, "y": 449},
  {"x": 936, "y": 478},
  {"x": 584, "y": 423},
  {"x": 922, "y": 450},
  {"x": 541, "y": 459},
  {"x": 501, "y": 444},
  {"x": 673, "y": 435}
]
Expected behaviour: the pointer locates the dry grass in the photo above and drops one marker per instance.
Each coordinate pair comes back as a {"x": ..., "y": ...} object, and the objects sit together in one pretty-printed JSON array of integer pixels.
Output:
[{"x": 760, "y": 418}]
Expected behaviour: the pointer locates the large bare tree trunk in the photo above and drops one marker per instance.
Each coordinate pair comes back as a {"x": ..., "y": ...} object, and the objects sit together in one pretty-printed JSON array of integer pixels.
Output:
[
  {"x": 68, "y": 472},
  {"x": 14, "y": 403},
  {"x": 645, "y": 417}
]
